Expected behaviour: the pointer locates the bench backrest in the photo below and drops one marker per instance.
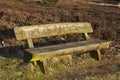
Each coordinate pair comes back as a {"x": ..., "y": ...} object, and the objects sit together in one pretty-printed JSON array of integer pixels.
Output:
[{"x": 37, "y": 31}]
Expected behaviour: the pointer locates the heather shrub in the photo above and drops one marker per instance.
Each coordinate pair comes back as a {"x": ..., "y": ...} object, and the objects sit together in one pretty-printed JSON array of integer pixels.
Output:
[
  {"x": 50, "y": 1},
  {"x": 105, "y": 33}
]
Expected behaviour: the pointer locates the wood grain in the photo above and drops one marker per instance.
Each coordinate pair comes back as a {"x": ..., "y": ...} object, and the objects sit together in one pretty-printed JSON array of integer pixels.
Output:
[{"x": 46, "y": 52}]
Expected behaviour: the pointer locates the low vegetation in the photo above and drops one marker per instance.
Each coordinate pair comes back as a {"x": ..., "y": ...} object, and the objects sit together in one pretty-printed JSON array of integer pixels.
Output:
[{"x": 50, "y": 1}]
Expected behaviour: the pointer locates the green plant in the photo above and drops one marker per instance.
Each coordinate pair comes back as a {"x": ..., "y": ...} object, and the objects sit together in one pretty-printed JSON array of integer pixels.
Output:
[{"x": 50, "y": 1}]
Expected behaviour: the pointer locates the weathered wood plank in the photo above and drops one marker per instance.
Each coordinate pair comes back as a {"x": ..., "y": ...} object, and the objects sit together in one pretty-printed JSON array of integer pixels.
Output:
[
  {"x": 65, "y": 49},
  {"x": 46, "y": 30}
]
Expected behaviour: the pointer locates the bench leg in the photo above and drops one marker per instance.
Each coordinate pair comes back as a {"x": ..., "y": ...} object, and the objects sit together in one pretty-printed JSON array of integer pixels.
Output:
[
  {"x": 43, "y": 66},
  {"x": 35, "y": 63},
  {"x": 99, "y": 55}
]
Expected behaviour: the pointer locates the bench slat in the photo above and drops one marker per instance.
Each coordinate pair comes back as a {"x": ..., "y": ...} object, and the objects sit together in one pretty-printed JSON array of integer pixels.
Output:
[
  {"x": 65, "y": 49},
  {"x": 37, "y": 31}
]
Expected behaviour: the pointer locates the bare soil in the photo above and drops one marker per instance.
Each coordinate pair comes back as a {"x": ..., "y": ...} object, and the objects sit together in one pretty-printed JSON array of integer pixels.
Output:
[{"x": 105, "y": 22}]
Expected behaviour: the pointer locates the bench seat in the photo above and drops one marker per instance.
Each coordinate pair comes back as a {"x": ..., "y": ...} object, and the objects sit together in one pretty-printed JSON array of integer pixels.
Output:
[{"x": 46, "y": 52}]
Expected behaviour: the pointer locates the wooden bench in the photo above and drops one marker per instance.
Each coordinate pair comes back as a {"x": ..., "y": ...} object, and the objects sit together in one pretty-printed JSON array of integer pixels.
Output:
[{"x": 40, "y": 54}]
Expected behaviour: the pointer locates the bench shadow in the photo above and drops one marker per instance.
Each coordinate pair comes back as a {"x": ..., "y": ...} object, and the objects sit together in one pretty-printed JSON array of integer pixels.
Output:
[
  {"x": 18, "y": 51},
  {"x": 94, "y": 55},
  {"x": 9, "y": 51},
  {"x": 12, "y": 52},
  {"x": 49, "y": 42},
  {"x": 6, "y": 34}
]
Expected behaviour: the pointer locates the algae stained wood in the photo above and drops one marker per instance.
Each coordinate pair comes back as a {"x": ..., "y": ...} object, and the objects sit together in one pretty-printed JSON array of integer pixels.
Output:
[{"x": 46, "y": 30}]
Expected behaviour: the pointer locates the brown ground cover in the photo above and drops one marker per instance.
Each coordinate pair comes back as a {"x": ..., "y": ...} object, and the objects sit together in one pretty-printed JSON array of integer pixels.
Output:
[{"x": 105, "y": 22}]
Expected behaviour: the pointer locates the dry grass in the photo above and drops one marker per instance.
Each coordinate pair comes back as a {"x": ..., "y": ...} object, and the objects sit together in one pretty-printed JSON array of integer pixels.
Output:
[{"x": 78, "y": 68}]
